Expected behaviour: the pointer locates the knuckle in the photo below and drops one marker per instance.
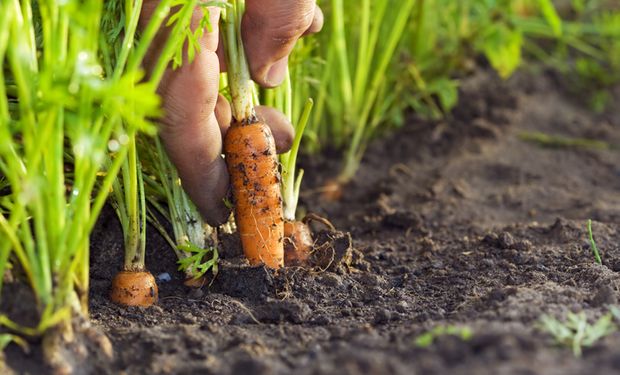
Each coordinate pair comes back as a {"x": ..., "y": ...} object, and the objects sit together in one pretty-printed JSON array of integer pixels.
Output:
[
  {"x": 285, "y": 21},
  {"x": 285, "y": 30}
]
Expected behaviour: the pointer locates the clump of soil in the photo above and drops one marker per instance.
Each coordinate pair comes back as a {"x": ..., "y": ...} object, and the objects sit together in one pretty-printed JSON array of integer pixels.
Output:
[{"x": 452, "y": 222}]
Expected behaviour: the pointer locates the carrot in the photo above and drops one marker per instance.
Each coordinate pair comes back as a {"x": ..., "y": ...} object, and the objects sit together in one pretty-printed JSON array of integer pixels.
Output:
[
  {"x": 250, "y": 153},
  {"x": 297, "y": 242},
  {"x": 134, "y": 288},
  {"x": 332, "y": 190},
  {"x": 253, "y": 167}
]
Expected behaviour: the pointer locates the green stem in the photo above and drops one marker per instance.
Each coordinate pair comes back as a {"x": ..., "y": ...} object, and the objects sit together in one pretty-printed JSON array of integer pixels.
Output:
[
  {"x": 130, "y": 33},
  {"x": 597, "y": 255},
  {"x": 134, "y": 256},
  {"x": 352, "y": 158},
  {"x": 240, "y": 83},
  {"x": 290, "y": 184}
]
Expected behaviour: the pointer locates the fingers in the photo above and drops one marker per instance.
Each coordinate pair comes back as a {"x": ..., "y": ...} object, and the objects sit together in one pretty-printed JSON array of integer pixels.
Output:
[
  {"x": 270, "y": 29},
  {"x": 281, "y": 128},
  {"x": 189, "y": 129},
  {"x": 317, "y": 22},
  {"x": 223, "y": 114},
  {"x": 192, "y": 136}
]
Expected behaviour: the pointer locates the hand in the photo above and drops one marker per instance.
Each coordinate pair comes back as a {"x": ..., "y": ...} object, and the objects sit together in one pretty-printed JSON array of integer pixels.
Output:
[{"x": 197, "y": 117}]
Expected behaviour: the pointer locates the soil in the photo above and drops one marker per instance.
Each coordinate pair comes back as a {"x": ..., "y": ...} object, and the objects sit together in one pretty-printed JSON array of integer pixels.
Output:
[{"x": 458, "y": 222}]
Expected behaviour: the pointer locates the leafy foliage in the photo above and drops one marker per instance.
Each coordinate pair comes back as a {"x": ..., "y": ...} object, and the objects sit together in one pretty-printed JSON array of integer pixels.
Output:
[
  {"x": 72, "y": 94},
  {"x": 426, "y": 339},
  {"x": 437, "y": 48},
  {"x": 576, "y": 332},
  {"x": 198, "y": 262}
]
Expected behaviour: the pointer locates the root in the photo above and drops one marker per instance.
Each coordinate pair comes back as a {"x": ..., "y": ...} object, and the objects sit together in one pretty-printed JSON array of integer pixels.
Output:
[
  {"x": 73, "y": 348},
  {"x": 315, "y": 217},
  {"x": 335, "y": 254}
]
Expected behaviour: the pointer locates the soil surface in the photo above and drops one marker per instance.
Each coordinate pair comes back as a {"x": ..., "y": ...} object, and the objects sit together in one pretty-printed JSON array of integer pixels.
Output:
[{"x": 459, "y": 222}]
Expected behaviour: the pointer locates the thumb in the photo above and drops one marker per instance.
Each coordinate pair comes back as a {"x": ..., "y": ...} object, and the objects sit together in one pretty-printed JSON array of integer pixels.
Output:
[{"x": 270, "y": 29}]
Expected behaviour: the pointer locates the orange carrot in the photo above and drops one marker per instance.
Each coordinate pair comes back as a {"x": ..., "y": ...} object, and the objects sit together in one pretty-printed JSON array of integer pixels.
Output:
[
  {"x": 134, "y": 288},
  {"x": 250, "y": 152},
  {"x": 332, "y": 190},
  {"x": 297, "y": 243},
  {"x": 253, "y": 167}
]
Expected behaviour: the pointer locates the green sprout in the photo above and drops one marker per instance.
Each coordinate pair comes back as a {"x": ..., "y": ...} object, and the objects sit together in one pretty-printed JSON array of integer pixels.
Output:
[
  {"x": 362, "y": 87},
  {"x": 426, "y": 339},
  {"x": 190, "y": 232},
  {"x": 576, "y": 332},
  {"x": 7, "y": 338},
  {"x": 198, "y": 262},
  {"x": 72, "y": 95},
  {"x": 353, "y": 91},
  {"x": 597, "y": 255},
  {"x": 283, "y": 99},
  {"x": 129, "y": 194}
]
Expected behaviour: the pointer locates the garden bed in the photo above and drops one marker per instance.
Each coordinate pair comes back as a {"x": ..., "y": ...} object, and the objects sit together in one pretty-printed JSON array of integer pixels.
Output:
[{"x": 458, "y": 222}]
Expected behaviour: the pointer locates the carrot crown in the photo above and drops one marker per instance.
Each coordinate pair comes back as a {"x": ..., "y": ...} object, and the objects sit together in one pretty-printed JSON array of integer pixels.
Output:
[{"x": 241, "y": 86}]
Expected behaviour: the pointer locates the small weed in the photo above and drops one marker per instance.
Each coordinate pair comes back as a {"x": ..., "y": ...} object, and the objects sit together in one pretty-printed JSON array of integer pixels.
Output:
[
  {"x": 426, "y": 339},
  {"x": 597, "y": 255},
  {"x": 576, "y": 332},
  {"x": 560, "y": 142},
  {"x": 7, "y": 338}
]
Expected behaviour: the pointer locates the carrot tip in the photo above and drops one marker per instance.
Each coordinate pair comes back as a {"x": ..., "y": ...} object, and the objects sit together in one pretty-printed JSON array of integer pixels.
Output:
[
  {"x": 331, "y": 191},
  {"x": 193, "y": 282}
]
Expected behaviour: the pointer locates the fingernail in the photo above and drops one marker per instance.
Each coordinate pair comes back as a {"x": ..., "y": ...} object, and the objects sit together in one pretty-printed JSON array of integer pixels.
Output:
[{"x": 275, "y": 75}]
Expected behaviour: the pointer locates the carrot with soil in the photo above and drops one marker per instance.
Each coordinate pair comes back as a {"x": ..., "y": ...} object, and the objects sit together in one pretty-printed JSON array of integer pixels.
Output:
[
  {"x": 251, "y": 158},
  {"x": 297, "y": 235},
  {"x": 78, "y": 51},
  {"x": 134, "y": 285}
]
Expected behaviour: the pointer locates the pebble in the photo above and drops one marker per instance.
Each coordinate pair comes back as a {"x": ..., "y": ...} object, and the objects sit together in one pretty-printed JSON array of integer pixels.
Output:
[
  {"x": 505, "y": 240},
  {"x": 195, "y": 293},
  {"x": 402, "y": 307},
  {"x": 383, "y": 316},
  {"x": 605, "y": 296},
  {"x": 321, "y": 320},
  {"x": 164, "y": 277},
  {"x": 331, "y": 279},
  {"x": 188, "y": 318}
]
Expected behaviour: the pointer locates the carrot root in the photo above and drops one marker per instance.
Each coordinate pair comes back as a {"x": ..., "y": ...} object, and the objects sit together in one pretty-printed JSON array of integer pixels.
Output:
[
  {"x": 297, "y": 243},
  {"x": 331, "y": 191},
  {"x": 134, "y": 288},
  {"x": 253, "y": 167}
]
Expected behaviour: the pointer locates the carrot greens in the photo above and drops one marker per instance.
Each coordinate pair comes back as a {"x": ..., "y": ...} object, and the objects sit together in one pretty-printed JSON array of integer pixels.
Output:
[{"x": 72, "y": 95}]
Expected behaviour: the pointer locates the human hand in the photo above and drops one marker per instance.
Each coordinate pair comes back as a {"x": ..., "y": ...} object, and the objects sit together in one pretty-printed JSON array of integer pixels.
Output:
[{"x": 197, "y": 117}]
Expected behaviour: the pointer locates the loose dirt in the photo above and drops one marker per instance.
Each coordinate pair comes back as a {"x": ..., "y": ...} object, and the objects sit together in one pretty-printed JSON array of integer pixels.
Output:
[{"x": 458, "y": 222}]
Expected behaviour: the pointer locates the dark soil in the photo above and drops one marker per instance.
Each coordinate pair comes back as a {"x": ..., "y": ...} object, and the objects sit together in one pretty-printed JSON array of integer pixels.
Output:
[{"x": 457, "y": 222}]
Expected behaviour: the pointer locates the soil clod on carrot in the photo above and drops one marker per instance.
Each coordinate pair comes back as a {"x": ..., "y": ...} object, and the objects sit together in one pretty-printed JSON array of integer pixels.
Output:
[
  {"x": 131, "y": 288},
  {"x": 333, "y": 251},
  {"x": 298, "y": 242}
]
